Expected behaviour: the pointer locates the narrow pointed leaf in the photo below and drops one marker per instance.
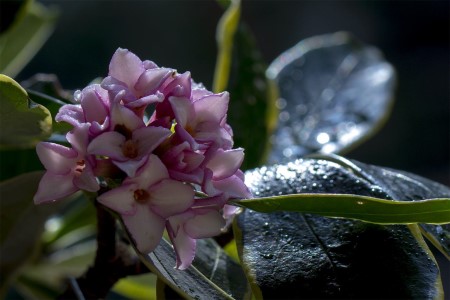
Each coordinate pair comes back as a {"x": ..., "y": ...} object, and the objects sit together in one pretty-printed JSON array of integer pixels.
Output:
[
  {"x": 334, "y": 92},
  {"x": 364, "y": 208}
]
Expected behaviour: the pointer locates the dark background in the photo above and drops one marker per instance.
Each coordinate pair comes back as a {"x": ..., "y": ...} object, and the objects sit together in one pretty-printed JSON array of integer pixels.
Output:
[{"x": 413, "y": 35}]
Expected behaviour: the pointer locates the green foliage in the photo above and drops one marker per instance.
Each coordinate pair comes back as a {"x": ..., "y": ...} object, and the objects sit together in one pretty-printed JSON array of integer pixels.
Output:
[
  {"x": 213, "y": 274},
  {"x": 364, "y": 208},
  {"x": 23, "y": 122},
  {"x": 32, "y": 26},
  {"x": 241, "y": 71},
  {"x": 22, "y": 223},
  {"x": 338, "y": 258}
]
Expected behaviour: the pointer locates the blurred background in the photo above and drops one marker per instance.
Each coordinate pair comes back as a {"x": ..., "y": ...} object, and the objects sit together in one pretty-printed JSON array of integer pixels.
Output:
[{"x": 413, "y": 35}]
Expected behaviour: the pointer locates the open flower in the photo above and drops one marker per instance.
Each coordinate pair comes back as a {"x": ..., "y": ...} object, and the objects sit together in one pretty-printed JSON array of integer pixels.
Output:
[
  {"x": 139, "y": 80},
  {"x": 131, "y": 141},
  {"x": 68, "y": 169},
  {"x": 145, "y": 201}
]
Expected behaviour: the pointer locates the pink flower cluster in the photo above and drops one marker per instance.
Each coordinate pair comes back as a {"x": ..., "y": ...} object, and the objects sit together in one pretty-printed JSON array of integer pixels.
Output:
[{"x": 173, "y": 170}]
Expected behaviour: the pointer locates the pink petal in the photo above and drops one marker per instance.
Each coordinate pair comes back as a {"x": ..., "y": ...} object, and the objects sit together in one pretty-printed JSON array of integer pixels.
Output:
[
  {"x": 152, "y": 79},
  {"x": 131, "y": 166},
  {"x": 207, "y": 223},
  {"x": 212, "y": 108},
  {"x": 86, "y": 180},
  {"x": 56, "y": 158},
  {"x": 126, "y": 67},
  {"x": 71, "y": 113},
  {"x": 225, "y": 163},
  {"x": 93, "y": 106},
  {"x": 78, "y": 137},
  {"x": 120, "y": 199},
  {"x": 146, "y": 228},
  {"x": 182, "y": 108},
  {"x": 152, "y": 172},
  {"x": 148, "y": 138},
  {"x": 170, "y": 197},
  {"x": 234, "y": 187},
  {"x": 144, "y": 101},
  {"x": 183, "y": 244},
  {"x": 108, "y": 144},
  {"x": 120, "y": 115},
  {"x": 54, "y": 187},
  {"x": 180, "y": 86}
]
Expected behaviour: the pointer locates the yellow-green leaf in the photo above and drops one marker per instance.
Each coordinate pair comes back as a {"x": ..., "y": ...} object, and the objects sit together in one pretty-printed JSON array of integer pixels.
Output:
[{"x": 22, "y": 122}]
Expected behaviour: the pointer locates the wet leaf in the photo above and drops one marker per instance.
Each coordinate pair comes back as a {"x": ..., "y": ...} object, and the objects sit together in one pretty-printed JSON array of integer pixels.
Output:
[
  {"x": 32, "y": 26},
  {"x": 213, "y": 275},
  {"x": 327, "y": 257},
  {"x": 334, "y": 92},
  {"x": 22, "y": 122},
  {"x": 22, "y": 223}
]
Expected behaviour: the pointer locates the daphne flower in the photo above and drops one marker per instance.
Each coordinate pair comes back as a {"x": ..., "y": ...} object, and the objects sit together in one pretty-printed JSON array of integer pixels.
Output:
[
  {"x": 131, "y": 141},
  {"x": 139, "y": 80},
  {"x": 145, "y": 201},
  {"x": 93, "y": 109},
  {"x": 201, "y": 122},
  {"x": 68, "y": 169}
]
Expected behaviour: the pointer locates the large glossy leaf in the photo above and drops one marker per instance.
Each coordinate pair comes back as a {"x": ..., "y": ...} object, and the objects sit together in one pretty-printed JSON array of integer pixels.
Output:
[
  {"x": 32, "y": 26},
  {"x": 288, "y": 254},
  {"x": 22, "y": 223},
  {"x": 213, "y": 275},
  {"x": 240, "y": 70},
  {"x": 334, "y": 92},
  {"x": 22, "y": 122}
]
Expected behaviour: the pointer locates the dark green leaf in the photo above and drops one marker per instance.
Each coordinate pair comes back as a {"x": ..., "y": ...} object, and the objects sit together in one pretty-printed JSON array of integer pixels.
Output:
[
  {"x": 22, "y": 223},
  {"x": 22, "y": 122},
  {"x": 252, "y": 110},
  {"x": 32, "y": 26},
  {"x": 289, "y": 254},
  {"x": 334, "y": 92},
  {"x": 241, "y": 71},
  {"x": 213, "y": 274}
]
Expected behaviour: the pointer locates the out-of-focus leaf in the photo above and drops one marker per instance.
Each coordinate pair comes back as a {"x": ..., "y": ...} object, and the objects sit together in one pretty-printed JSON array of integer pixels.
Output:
[
  {"x": 51, "y": 273},
  {"x": 18, "y": 161},
  {"x": 241, "y": 71},
  {"x": 226, "y": 29},
  {"x": 46, "y": 90},
  {"x": 439, "y": 236},
  {"x": 31, "y": 28},
  {"x": 213, "y": 275},
  {"x": 331, "y": 258},
  {"x": 22, "y": 223},
  {"x": 137, "y": 287},
  {"x": 334, "y": 93},
  {"x": 22, "y": 122},
  {"x": 252, "y": 110}
]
